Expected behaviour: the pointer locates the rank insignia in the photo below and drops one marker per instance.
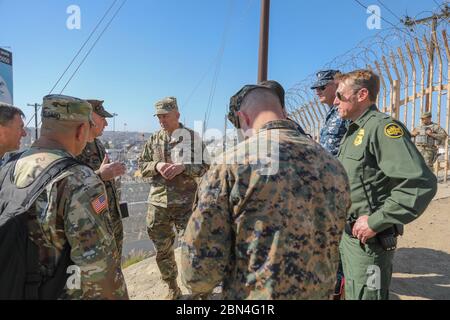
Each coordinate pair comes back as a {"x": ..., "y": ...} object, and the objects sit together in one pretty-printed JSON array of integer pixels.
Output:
[{"x": 393, "y": 131}]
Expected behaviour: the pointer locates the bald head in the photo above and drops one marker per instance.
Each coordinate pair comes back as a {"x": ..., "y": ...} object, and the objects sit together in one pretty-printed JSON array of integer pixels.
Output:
[{"x": 259, "y": 107}]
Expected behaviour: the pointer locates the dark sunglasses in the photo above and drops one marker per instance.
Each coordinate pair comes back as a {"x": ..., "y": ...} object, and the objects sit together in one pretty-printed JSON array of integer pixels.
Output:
[
  {"x": 322, "y": 88},
  {"x": 341, "y": 97}
]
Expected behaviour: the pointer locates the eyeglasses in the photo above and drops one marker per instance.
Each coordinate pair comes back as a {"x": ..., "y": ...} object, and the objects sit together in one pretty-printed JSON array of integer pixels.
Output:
[
  {"x": 341, "y": 97},
  {"x": 322, "y": 88}
]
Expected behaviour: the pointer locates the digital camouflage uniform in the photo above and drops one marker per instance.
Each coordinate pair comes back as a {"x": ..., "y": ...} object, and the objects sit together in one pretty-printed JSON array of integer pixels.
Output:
[
  {"x": 72, "y": 210},
  {"x": 93, "y": 156},
  {"x": 170, "y": 202},
  {"x": 399, "y": 185},
  {"x": 333, "y": 131},
  {"x": 268, "y": 234},
  {"x": 428, "y": 146}
]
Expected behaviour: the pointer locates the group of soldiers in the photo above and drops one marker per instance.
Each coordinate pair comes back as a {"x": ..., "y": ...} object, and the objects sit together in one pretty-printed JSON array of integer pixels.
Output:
[{"x": 283, "y": 225}]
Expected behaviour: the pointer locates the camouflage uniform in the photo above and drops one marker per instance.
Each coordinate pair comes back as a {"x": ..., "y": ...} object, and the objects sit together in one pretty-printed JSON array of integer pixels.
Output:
[
  {"x": 93, "y": 156},
  {"x": 170, "y": 202},
  {"x": 270, "y": 236},
  {"x": 333, "y": 131},
  {"x": 428, "y": 146},
  {"x": 72, "y": 210}
]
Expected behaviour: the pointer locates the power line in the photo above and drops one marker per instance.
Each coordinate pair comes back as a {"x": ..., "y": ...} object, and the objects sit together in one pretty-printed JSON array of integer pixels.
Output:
[
  {"x": 365, "y": 7},
  {"x": 84, "y": 44},
  {"x": 219, "y": 64},
  {"x": 93, "y": 46},
  {"x": 393, "y": 13}
]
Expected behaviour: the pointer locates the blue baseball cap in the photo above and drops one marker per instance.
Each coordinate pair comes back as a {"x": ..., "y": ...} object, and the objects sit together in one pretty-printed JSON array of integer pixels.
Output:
[{"x": 324, "y": 77}]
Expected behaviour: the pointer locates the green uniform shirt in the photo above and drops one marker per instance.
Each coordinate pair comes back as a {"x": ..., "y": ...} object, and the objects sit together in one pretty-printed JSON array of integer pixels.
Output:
[{"x": 398, "y": 182}]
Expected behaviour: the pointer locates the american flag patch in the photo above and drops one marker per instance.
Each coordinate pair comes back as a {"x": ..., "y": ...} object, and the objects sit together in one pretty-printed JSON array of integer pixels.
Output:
[{"x": 100, "y": 204}]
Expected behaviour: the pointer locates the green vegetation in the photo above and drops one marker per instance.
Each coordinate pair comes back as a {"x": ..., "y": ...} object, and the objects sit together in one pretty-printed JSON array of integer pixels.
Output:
[{"x": 134, "y": 257}]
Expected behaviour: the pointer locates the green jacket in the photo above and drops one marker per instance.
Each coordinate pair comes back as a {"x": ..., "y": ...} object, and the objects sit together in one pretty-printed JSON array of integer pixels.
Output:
[
  {"x": 398, "y": 182},
  {"x": 181, "y": 190}
]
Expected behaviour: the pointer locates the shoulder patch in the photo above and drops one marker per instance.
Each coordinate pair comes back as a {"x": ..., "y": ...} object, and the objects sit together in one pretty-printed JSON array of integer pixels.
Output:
[
  {"x": 100, "y": 204},
  {"x": 393, "y": 131}
]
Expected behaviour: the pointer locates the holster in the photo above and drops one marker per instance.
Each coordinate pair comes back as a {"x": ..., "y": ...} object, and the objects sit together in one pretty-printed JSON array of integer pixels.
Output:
[{"x": 387, "y": 238}]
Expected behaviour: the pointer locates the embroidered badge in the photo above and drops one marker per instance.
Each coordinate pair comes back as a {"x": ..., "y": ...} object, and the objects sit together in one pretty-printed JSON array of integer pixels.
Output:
[
  {"x": 359, "y": 138},
  {"x": 393, "y": 131},
  {"x": 100, "y": 204}
]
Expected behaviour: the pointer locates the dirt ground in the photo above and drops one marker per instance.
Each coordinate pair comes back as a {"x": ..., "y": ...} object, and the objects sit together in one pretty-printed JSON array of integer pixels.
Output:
[
  {"x": 421, "y": 265},
  {"x": 422, "y": 261}
]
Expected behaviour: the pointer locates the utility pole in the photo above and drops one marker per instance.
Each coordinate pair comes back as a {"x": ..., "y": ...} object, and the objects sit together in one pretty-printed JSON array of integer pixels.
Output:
[
  {"x": 445, "y": 14},
  {"x": 114, "y": 121},
  {"x": 264, "y": 41},
  {"x": 36, "y": 106}
]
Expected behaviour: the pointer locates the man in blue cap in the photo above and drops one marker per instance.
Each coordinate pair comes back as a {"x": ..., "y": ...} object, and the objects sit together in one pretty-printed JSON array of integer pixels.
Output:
[
  {"x": 334, "y": 127},
  {"x": 331, "y": 135}
]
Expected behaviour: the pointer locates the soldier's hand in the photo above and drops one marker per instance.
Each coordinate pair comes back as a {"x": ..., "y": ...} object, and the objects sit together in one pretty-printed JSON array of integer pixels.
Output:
[
  {"x": 429, "y": 132},
  {"x": 174, "y": 170},
  {"x": 162, "y": 167},
  {"x": 362, "y": 231},
  {"x": 110, "y": 171}
]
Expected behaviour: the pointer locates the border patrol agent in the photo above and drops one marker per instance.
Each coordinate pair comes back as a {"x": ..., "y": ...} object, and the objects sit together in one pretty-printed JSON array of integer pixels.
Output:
[{"x": 391, "y": 186}]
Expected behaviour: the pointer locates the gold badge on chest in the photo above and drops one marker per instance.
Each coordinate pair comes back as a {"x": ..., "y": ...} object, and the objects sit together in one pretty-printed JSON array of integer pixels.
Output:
[{"x": 359, "y": 138}]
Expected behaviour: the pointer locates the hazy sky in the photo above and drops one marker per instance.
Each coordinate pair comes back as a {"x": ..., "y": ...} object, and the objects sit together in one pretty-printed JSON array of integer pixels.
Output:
[{"x": 164, "y": 48}]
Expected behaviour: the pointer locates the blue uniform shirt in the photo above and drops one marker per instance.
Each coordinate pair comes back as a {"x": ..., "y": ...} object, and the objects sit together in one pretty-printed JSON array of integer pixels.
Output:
[{"x": 333, "y": 131}]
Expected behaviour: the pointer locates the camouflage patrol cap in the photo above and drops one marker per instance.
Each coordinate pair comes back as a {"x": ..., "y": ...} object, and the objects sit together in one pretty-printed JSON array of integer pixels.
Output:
[
  {"x": 324, "y": 77},
  {"x": 98, "y": 108},
  {"x": 276, "y": 87},
  {"x": 166, "y": 105},
  {"x": 65, "y": 108},
  {"x": 426, "y": 115},
  {"x": 238, "y": 98}
]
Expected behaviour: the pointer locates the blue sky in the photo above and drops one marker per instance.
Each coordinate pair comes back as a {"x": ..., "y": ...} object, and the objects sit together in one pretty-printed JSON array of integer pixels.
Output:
[{"x": 164, "y": 48}]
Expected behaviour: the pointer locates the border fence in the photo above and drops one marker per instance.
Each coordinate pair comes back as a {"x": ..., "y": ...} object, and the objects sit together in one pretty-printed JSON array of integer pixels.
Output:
[{"x": 414, "y": 79}]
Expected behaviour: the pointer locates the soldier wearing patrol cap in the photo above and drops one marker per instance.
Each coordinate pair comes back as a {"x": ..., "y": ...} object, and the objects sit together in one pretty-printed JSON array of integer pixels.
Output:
[
  {"x": 72, "y": 213},
  {"x": 391, "y": 185},
  {"x": 267, "y": 226},
  {"x": 11, "y": 128},
  {"x": 173, "y": 185},
  {"x": 428, "y": 137},
  {"x": 279, "y": 90},
  {"x": 94, "y": 155}
]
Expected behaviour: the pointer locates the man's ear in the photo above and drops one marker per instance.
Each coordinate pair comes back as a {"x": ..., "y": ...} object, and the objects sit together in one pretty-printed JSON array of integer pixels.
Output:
[
  {"x": 244, "y": 116},
  {"x": 363, "y": 94},
  {"x": 80, "y": 131}
]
